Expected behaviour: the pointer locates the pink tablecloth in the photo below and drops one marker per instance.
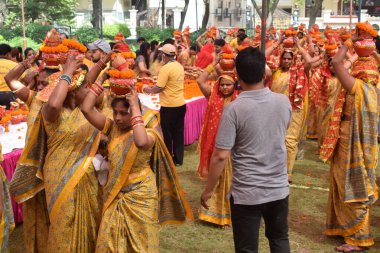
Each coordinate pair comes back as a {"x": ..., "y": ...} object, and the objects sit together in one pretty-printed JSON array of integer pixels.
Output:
[
  {"x": 193, "y": 119},
  {"x": 9, "y": 166}
]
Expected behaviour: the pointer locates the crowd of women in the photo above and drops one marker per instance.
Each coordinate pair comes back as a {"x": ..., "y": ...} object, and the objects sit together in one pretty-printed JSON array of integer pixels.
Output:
[{"x": 331, "y": 81}]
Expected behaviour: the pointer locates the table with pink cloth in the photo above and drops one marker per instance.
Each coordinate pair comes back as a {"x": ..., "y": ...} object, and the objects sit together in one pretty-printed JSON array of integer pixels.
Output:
[
  {"x": 9, "y": 166},
  {"x": 12, "y": 143},
  {"x": 193, "y": 119}
]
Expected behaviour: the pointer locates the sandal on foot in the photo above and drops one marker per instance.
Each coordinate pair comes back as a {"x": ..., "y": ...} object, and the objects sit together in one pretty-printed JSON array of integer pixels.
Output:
[{"x": 350, "y": 248}]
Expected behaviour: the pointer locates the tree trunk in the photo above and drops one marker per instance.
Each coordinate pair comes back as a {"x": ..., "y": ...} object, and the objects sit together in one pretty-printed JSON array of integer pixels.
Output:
[
  {"x": 95, "y": 21},
  {"x": 272, "y": 9},
  {"x": 314, "y": 11},
  {"x": 206, "y": 16},
  {"x": 163, "y": 16},
  {"x": 269, "y": 16},
  {"x": 183, "y": 14}
]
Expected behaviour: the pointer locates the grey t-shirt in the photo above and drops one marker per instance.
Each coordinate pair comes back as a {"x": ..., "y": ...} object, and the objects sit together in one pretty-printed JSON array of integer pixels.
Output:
[{"x": 254, "y": 127}]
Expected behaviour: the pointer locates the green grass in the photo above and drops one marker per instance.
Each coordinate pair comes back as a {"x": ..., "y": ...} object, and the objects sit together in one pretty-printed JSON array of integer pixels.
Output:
[{"x": 307, "y": 213}]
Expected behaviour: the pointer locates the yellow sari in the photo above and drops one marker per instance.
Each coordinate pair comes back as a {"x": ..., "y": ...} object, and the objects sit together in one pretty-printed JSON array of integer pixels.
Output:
[
  {"x": 353, "y": 188},
  {"x": 70, "y": 183},
  {"x": 280, "y": 84},
  {"x": 26, "y": 187},
  {"x": 142, "y": 192},
  {"x": 7, "y": 223}
]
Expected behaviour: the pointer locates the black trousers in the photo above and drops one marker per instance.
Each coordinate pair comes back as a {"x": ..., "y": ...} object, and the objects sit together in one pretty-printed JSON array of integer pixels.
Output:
[
  {"x": 173, "y": 126},
  {"x": 6, "y": 97},
  {"x": 246, "y": 223}
]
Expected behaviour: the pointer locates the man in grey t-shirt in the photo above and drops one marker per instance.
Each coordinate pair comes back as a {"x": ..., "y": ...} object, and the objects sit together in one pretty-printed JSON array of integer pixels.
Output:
[{"x": 253, "y": 129}]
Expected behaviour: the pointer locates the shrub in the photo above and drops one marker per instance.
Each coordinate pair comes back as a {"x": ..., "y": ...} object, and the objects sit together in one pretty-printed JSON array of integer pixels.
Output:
[
  {"x": 9, "y": 33},
  {"x": 109, "y": 31},
  {"x": 18, "y": 42},
  {"x": 37, "y": 32},
  {"x": 194, "y": 35},
  {"x": 87, "y": 34},
  {"x": 155, "y": 33}
]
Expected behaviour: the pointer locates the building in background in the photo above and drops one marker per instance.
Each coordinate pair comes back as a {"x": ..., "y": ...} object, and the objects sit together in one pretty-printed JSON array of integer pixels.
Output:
[{"x": 224, "y": 13}]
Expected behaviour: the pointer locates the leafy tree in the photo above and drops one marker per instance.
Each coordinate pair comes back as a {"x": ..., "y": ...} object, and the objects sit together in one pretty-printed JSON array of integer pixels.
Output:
[
  {"x": 86, "y": 34},
  {"x": 62, "y": 11},
  {"x": 314, "y": 12}
]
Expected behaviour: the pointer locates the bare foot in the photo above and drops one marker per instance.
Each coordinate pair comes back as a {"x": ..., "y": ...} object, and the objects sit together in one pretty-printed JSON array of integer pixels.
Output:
[{"x": 350, "y": 248}]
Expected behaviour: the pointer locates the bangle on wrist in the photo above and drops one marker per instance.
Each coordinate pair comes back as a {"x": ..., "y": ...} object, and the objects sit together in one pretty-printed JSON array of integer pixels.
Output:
[
  {"x": 97, "y": 89},
  {"x": 24, "y": 65},
  {"x": 66, "y": 78},
  {"x": 138, "y": 124}
]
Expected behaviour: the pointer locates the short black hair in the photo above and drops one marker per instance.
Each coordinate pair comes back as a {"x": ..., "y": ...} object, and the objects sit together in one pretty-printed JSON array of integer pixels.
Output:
[
  {"x": 169, "y": 41},
  {"x": 153, "y": 44},
  {"x": 49, "y": 71},
  {"x": 140, "y": 39},
  {"x": 27, "y": 50},
  {"x": 241, "y": 30},
  {"x": 5, "y": 49},
  {"x": 219, "y": 42},
  {"x": 241, "y": 38},
  {"x": 194, "y": 47},
  {"x": 117, "y": 100},
  {"x": 250, "y": 65}
]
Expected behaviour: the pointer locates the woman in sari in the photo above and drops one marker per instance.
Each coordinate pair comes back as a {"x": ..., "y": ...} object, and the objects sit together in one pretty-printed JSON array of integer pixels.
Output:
[
  {"x": 7, "y": 223},
  {"x": 142, "y": 190},
  {"x": 351, "y": 146},
  {"x": 69, "y": 178},
  {"x": 219, "y": 96},
  {"x": 289, "y": 78},
  {"x": 142, "y": 61},
  {"x": 25, "y": 186}
]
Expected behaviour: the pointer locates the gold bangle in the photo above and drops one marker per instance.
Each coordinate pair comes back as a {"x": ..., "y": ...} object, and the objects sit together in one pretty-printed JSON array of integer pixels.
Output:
[{"x": 210, "y": 68}]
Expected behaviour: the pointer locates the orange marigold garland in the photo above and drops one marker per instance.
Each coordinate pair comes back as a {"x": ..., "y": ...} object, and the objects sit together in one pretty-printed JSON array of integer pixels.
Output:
[
  {"x": 366, "y": 27},
  {"x": 54, "y": 50},
  {"x": 129, "y": 55},
  {"x": 329, "y": 47},
  {"x": 73, "y": 44},
  {"x": 228, "y": 56},
  {"x": 121, "y": 74}
]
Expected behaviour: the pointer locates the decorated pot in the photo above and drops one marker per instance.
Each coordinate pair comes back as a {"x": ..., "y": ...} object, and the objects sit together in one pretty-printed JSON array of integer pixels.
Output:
[
  {"x": 364, "y": 48},
  {"x": 227, "y": 64},
  {"x": 121, "y": 86},
  {"x": 288, "y": 42},
  {"x": 52, "y": 59}
]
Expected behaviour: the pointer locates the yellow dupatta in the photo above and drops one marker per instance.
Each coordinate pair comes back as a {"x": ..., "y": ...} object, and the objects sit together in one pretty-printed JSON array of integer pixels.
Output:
[
  {"x": 173, "y": 208},
  {"x": 363, "y": 147},
  {"x": 280, "y": 83},
  {"x": 27, "y": 180}
]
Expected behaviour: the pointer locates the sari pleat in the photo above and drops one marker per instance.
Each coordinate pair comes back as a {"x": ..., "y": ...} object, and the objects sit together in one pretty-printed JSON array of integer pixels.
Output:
[
  {"x": 353, "y": 188},
  {"x": 70, "y": 183},
  {"x": 142, "y": 192}
]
